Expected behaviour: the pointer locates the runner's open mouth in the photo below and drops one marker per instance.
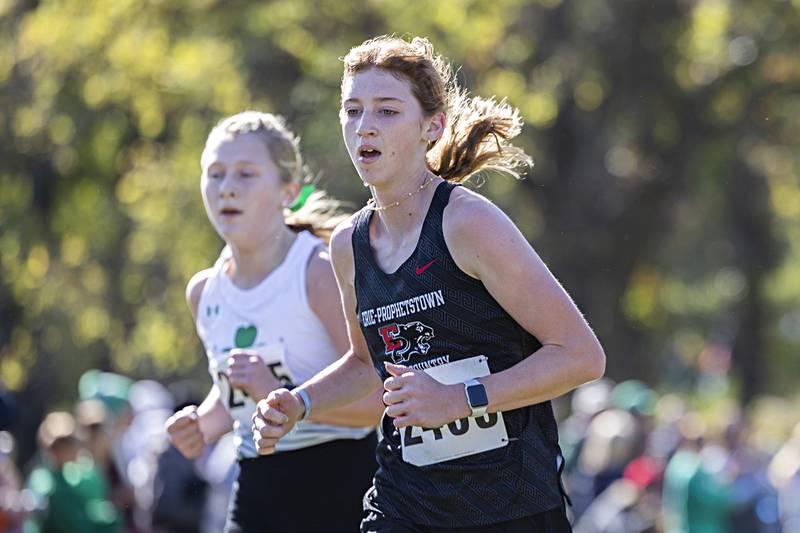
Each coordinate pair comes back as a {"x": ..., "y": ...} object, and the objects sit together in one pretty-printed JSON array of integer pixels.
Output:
[{"x": 368, "y": 153}]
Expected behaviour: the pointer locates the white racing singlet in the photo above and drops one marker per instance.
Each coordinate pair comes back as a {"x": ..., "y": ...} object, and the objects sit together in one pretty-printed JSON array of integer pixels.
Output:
[{"x": 274, "y": 319}]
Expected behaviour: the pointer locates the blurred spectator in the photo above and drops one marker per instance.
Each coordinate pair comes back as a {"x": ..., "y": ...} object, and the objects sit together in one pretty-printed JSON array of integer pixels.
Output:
[
  {"x": 635, "y": 397},
  {"x": 612, "y": 439},
  {"x": 754, "y": 500},
  {"x": 110, "y": 388},
  {"x": 70, "y": 492},
  {"x": 172, "y": 493},
  {"x": 697, "y": 492},
  {"x": 142, "y": 443},
  {"x": 192, "y": 496},
  {"x": 180, "y": 494},
  {"x": 220, "y": 469},
  {"x": 629, "y": 505},
  {"x": 105, "y": 399},
  {"x": 95, "y": 428},
  {"x": 14, "y": 505},
  {"x": 665, "y": 436},
  {"x": 586, "y": 402},
  {"x": 784, "y": 474}
]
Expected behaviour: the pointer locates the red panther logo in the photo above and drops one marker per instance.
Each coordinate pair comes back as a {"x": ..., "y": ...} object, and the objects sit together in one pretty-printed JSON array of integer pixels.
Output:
[{"x": 404, "y": 340}]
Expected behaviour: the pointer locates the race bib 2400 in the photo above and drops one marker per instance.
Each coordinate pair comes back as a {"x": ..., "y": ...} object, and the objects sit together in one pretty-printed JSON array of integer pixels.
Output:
[{"x": 460, "y": 438}]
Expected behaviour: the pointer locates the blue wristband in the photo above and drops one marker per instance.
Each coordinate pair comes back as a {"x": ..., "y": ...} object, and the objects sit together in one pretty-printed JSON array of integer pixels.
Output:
[{"x": 306, "y": 403}]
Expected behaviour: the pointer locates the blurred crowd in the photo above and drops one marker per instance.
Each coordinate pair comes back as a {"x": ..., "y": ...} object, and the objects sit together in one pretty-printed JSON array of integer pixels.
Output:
[
  {"x": 636, "y": 461},
  {"x": 106, "y": 466},
  {"x": 639, "y": 462}
]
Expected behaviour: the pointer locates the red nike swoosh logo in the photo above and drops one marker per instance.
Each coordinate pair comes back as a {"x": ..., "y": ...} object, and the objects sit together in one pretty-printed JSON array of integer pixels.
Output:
[{"x": 422, "y": 269}]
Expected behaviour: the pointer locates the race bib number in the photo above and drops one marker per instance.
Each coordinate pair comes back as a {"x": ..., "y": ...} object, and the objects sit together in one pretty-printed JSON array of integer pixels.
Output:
[
  {"x": 460, "y": 438},
  {"x": 236, "y": 400}
]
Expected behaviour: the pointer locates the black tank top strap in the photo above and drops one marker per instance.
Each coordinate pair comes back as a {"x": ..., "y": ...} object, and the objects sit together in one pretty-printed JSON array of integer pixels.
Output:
[
  {"x": 440, "y": 200},
  {"x": 360, "y": 243},
  {"x": 361, "y": 226}
]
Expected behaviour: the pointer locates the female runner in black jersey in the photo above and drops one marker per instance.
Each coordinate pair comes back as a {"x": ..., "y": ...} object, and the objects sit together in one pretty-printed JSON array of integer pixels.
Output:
[{"x": 446, "y": 300}]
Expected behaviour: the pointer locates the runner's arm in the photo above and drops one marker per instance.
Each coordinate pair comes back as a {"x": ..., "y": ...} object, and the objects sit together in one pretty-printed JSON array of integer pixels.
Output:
[
  {"x": 214, "y": 419},
  {"x": 325, "y": 300},
  {"x": 486, "y": 245},
  {"x": 352, "y": 377}
]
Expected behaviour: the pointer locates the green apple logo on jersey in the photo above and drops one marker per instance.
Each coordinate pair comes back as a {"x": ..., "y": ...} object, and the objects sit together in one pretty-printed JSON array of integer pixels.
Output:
[{"x": 246, "y": 337}]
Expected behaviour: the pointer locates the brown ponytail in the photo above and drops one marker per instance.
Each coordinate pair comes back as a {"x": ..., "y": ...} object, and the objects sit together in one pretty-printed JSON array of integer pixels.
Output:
[
  {"x": 320, "y": 213},
  {"x": 479, "y": 130}
]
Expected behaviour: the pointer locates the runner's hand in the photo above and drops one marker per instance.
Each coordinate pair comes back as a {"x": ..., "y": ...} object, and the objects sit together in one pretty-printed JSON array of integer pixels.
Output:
[
  {"x": 183, "y": 430},
  {"x": 413, "y": 398},
  {"x": 274, "y": 418},
  {"x": 248, "y": 372}
]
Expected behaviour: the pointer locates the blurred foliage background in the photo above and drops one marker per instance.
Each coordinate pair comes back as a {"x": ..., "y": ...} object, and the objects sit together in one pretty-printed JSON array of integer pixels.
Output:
[{"x": 665, "y": 195}]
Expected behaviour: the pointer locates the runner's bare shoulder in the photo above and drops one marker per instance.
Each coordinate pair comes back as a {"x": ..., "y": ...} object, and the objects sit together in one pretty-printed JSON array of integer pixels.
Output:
[
  {"x": 195, "y": 288},
  {"x": 470, "y": 224},
  {"x": 341, "y": 247}
]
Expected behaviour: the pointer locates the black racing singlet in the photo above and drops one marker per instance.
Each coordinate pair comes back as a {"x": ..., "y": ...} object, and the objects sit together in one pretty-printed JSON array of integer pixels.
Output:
[{"x": 431, "y": 315}]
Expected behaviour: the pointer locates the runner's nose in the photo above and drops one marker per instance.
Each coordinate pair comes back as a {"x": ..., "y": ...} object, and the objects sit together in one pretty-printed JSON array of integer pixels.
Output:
[{"x": 365, "y": 126}]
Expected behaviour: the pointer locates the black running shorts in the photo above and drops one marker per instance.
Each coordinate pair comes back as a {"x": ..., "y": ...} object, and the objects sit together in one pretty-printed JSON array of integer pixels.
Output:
[
  {"x": 552, "y": 521},
  {"x": 316, "y": 489}
]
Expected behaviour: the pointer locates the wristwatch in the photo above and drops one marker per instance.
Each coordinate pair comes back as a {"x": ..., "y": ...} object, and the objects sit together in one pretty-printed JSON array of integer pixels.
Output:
[{"x": 476, "y": 397}]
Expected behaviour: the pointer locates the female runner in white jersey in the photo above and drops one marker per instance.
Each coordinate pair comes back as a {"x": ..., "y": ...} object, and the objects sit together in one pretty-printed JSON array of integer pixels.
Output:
[
  {"x": 269, "y": 315},
  {"x": 437, "y": 281}
]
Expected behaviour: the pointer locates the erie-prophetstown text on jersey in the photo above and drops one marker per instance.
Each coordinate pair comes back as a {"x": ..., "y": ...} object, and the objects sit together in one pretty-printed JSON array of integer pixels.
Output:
[{"x": 403, "y": 308}]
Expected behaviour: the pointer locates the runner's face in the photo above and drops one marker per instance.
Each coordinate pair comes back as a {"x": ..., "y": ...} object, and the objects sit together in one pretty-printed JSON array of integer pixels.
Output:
[
  {"x": 383, "y": 126},
  {"x": 242, "y": 189}
]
